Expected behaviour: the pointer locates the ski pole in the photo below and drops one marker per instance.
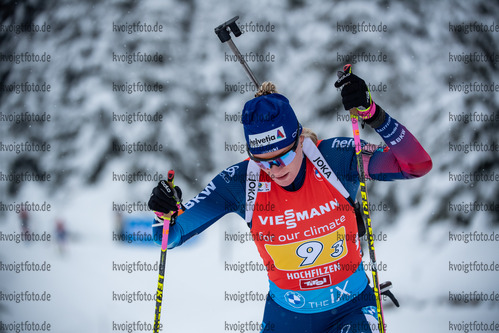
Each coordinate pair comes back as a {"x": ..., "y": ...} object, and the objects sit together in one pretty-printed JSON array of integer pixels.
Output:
[
  {"x": 223, "y": 33},
  {"x": 365, "y": 209},
  {"x": 168, "y": 219}
]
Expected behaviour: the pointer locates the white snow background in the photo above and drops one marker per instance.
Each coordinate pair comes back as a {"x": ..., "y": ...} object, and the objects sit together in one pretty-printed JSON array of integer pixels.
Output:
[{"x": 307, "y": 47}]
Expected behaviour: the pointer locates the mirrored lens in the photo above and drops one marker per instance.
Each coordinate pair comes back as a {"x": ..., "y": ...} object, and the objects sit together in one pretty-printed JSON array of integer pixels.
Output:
[{"x": 284, "y": 160}]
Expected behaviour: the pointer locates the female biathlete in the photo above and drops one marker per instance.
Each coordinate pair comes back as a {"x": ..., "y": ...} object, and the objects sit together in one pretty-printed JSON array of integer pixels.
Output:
[{"x": 295, "y": 193}]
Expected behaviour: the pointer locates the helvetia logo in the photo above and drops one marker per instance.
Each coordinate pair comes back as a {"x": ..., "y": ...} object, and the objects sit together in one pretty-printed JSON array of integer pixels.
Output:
[
  {"x": 280, "y": 135},
  {"x": 267, "y": 138}
]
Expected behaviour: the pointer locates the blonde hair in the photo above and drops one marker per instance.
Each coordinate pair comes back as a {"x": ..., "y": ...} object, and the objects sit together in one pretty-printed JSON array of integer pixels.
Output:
[
  {"x": 308, "y": 133},
  {"x": 268, "y": 88}
]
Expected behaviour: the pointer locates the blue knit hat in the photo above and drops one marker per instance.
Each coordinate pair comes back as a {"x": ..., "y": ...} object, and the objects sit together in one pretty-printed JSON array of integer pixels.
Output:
[{"x": 269, "y": 123}]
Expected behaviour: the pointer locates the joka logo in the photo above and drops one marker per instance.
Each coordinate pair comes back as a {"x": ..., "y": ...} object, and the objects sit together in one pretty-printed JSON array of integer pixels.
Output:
[{"x": 267, "y": 138}]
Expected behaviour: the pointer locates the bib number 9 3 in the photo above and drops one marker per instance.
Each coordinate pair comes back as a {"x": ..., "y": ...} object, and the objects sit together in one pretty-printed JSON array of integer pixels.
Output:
[{"x": 310, "y": 253}]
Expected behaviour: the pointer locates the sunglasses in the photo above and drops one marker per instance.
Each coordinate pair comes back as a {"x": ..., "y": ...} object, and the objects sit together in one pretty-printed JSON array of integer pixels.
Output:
[{"x": 285, "y": 158}]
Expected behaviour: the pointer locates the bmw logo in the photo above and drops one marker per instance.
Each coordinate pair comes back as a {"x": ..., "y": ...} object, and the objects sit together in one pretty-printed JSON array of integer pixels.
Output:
[{"x": 294, "y": 299}]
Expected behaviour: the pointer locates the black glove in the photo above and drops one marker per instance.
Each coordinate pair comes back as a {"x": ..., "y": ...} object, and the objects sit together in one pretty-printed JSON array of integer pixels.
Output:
[
  {"x": 163, "y": 199},
  {"x": 354, "y": 93}
]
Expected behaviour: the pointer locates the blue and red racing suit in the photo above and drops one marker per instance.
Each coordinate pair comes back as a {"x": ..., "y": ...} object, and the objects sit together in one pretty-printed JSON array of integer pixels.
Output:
[{"x": 309, "y": 239}]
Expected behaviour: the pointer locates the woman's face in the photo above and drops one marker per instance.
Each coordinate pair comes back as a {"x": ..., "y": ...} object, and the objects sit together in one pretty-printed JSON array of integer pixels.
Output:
[{"x": 284, "y": 175}]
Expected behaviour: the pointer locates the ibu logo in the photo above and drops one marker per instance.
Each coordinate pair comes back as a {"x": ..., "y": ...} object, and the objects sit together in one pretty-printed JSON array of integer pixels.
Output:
[
  {"x": 294, "y": 299},
  {"x": 264, "y": 187}
]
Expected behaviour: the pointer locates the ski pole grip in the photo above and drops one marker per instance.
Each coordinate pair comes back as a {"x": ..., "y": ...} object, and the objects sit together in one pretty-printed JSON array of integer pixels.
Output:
[
  {"x": 223, "y": 30},
  {"x": 169, "y": 181},
  {"x": 171, "y": 175}
]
